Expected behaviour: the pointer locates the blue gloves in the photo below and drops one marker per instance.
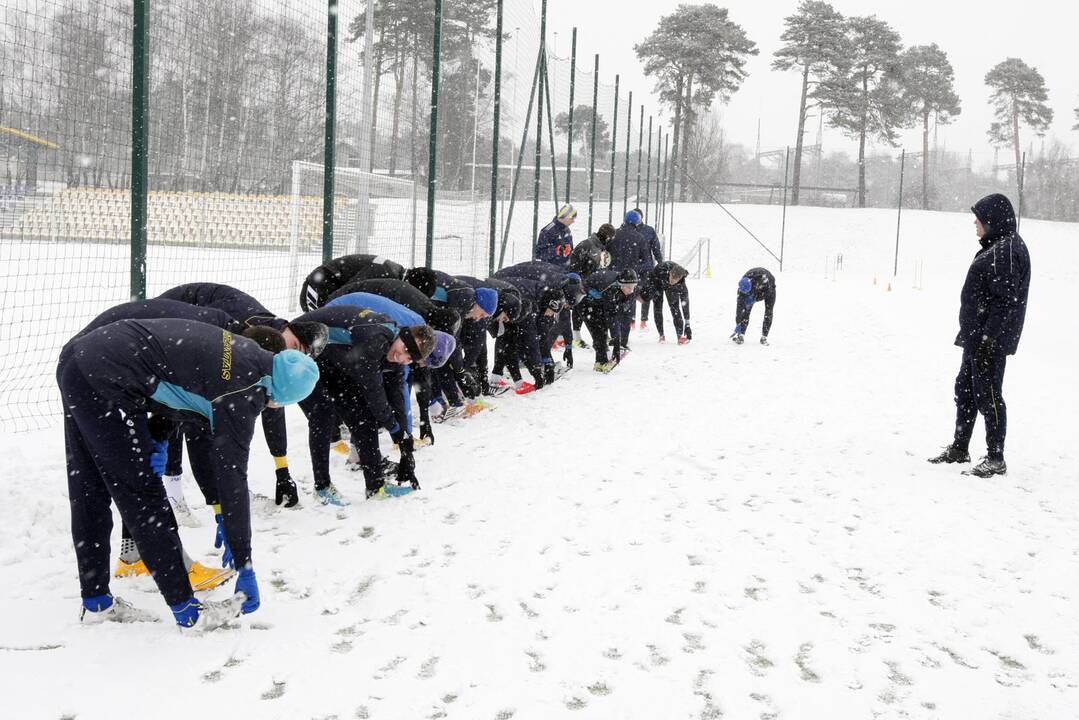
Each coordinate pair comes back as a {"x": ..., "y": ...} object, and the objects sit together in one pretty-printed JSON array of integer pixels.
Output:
[
  {"x": 159, "y": 458},
  {"x": 186, "y": 612},
  {"x": 221, "y": 541},
  {"x": 247, "y": 585}
]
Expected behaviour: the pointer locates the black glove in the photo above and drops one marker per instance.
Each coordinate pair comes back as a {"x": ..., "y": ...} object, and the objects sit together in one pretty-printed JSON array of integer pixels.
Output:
[
  {"x": 286, "y": 494},
  {"x": 537, "y": 376},
  {"x": 425, "y": 432},
  {"x": 689, "y": 333},
  {"x": 567, "y": 356},
  {"x": 406, "y": 468},
  {"x": 469, "y": 385},
  {"x": 548, "y": 373}
]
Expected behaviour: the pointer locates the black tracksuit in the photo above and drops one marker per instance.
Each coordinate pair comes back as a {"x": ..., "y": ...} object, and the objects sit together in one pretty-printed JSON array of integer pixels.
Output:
[
  {"x": 352, "y": 386},
  {"x": 327, "y": 278},
  {"x": 763, "y": 288},
  {"x": 530, "y": 332},
  {"x": 602, "y": 308},
  {"x": 185, "y": 371},
  {"x": 655, "y": 255},
  {"x": 629, "y": 249},
  {"x": 552, "y": 277},
  {"x": 591, "y": 255},
  {"x": 249, "y": 312},
  {"x": 992, "y": 311},
  {"x": 655, "y": 286}
]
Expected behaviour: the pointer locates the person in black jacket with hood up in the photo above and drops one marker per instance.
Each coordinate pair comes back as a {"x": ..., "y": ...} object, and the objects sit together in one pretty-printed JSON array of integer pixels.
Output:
[{"x": 992, "y": 308}]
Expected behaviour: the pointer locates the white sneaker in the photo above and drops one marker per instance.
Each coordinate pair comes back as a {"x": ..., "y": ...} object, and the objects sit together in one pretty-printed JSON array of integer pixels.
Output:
[
  {"x": 120, "y": 611},
  {"x": 453, "y": 411},
  {"x": 216, "y": 614},
  {"x": 183, "y": 513}
]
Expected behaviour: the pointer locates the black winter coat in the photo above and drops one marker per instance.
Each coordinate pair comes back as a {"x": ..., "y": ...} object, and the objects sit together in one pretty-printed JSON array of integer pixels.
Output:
[
  {"x": 328, "y": 277},
  {"x": 241, "y": 306},
  {"x": 628, "y": 249},
  {"x": 993, "y": 303}
]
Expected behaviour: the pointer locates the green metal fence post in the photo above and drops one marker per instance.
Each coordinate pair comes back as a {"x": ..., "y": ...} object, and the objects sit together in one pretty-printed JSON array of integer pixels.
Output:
[
  {"x": 140, "y": 111},
  {"x": 532, "y": 94},
  {"x": 659, "y": 181},
  {"x": 667, "y": 188},
  {"x": 569, "y": 134},
  {"x": 436, "y": 67},
  {"x": 648, "y": 174},
  {"x": 592, "y": 160},
  {"x": 614, "y": 148},
  {"x": 539, "y": 125},
  {"x": 640, "y": 147},
  {"x": 629, "y": 138},
  {"x": 550, "y": 138},
  {"x": 330, "y": 133},
  {"x": 495, "y": 137}
]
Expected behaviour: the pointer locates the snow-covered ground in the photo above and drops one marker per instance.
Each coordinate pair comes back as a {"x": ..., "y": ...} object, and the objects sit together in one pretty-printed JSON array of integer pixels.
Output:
[{"x": 709, "y": 531}]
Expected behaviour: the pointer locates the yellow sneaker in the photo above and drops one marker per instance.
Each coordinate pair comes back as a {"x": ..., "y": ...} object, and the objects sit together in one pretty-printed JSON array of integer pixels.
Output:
[
  {"x": 341, "y": 446},
  {"x": 126, "y": 569},
  {"x": 204, "y": 578}
]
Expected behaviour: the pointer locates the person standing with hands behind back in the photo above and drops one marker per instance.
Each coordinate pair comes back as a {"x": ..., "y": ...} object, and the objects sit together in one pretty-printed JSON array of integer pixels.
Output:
[{"x": 992, "y": 308}]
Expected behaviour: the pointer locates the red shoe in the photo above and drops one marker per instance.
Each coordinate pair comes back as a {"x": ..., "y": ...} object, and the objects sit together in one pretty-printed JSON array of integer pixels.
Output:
[
  {"x": 558, "y": 344},
  {"x": 524, "y": 387},
  {"x": 683, "y": 340}
]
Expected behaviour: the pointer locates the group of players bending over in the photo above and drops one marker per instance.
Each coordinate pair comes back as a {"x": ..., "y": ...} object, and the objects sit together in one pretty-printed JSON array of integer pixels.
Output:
[{"x": 202, "y": 362}]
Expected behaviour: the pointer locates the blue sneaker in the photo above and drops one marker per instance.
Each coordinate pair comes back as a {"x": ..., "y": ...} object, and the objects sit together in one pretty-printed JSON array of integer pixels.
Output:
[
  {"x": 329, "y": 496},
  {"x": 396, "y": 490}
]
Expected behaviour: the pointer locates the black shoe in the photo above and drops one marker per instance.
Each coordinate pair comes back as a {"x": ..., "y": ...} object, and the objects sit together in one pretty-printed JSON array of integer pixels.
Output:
[
  {"x": 951, "y": 454},
  {"x": 989, "y": 467},
  {"x": 373, "y": 488}
]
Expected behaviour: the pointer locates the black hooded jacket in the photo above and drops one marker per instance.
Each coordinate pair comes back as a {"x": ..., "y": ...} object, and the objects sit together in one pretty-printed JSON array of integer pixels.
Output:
[
  {"x": 329, "y": 277},
  {"x": 993, "y": 303}
]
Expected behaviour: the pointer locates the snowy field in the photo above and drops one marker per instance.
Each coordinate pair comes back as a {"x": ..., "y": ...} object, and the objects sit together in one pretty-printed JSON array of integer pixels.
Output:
[{"x": 709, "y": 531}]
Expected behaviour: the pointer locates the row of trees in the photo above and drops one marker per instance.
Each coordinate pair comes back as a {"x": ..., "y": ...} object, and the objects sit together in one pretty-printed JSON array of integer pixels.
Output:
[{"x": 854, "y": 70}]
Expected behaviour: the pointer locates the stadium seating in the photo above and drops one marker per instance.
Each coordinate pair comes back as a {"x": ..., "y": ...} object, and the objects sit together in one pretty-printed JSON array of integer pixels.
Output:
[{"x": 177, "y": 218}]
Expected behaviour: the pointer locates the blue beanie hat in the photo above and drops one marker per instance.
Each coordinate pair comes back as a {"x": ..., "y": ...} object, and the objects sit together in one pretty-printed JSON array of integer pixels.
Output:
[
  {"x": 487, "y": 299},
  {"x": 294, "y": 377},
  {"x": 745, "y": 285},
  {"x": 444, "y": 347},
  {"x": 573, "y": 276},
  {"x": 633, "y": 217}
]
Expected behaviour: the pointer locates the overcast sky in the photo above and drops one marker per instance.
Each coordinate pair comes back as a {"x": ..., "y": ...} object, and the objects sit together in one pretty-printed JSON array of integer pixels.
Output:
[{"x": 976, "y": 36}]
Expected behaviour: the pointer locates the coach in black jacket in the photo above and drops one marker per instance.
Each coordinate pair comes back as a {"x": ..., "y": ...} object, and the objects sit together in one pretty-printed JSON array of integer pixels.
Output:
[{"x": 992, "y": 308}]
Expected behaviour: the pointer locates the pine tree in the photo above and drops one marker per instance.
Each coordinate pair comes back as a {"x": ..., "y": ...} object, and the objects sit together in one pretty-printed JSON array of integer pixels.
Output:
[
  {"x": 928, "y": 89},
  {"x": 863, "y": 97},
  {"x": 582, "y": 130},
  {"x": 695, "y": 54},
  {"x": 815, "y": 45},
  {"x": 1018, "y": 94}
]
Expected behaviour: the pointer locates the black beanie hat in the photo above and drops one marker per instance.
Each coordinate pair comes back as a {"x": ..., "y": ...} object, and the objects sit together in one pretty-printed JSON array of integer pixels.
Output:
[{"x": 312, "y": 335}]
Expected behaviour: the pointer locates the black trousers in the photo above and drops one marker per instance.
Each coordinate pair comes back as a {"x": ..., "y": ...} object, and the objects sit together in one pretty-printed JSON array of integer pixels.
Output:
[
  {"x": 978, "y": 389},
  {"x": 336, "y": 398},
  {"x": 108, "y": 460},
  {"x": 601, "y": 320}
]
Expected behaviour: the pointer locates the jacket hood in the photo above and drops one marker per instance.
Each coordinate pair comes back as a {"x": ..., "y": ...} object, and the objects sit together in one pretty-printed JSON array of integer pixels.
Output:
[{"x": 996, "y": 214}]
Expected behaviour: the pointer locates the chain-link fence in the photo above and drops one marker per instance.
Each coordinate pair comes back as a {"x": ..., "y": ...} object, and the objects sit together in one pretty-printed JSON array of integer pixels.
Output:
[{"x": 239, "y": 142}]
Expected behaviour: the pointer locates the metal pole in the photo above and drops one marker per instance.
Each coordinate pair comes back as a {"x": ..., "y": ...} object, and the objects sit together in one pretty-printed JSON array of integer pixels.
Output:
[
  {"x": 550, "y": 138},
  {"x": 783, "y": 226},
  {"x": 436, "y": 62},
  {"x": 542, "y": 60},
  {"x": 592, "y": 160},
  {"x": 629, "y": 137},
  {"x": 1022, "y": 184},
  {"x": 667, "y": 188},
  {"x": 614, "y": 144},
  {"x": 569, "y": 135},
  {"x": 899, "y": 213},
  {"x": 330, "y": 134},
  {"x": 648, "y": 174},
  {"x": 140, "y": 127},
  {"x": 495, "y": 136},
  {"x": 532, "y": 94},
  {"x": 640, "y": 148},
  {"x": 366, "y": 139},
  {"x": 412, "y": 158}
]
